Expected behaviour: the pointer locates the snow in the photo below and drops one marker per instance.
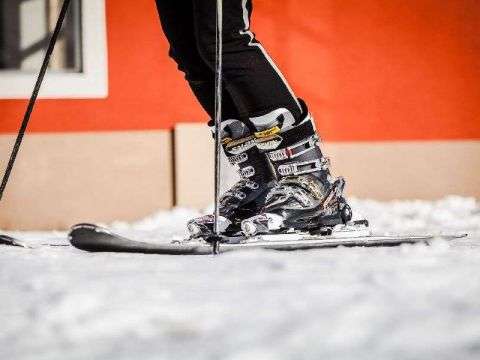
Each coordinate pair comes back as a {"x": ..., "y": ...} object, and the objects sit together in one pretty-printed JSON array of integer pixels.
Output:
[{"x": 407, "y": 302}]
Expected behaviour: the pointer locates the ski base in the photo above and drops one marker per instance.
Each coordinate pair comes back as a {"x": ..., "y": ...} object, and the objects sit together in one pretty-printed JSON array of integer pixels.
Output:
[{"x": 93, "y": 238}]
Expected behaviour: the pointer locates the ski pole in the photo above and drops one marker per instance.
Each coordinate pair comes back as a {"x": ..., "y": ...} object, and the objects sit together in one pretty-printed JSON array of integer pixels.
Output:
[
  {"x": 218, "y": 121},
  {"x": 33, "y": 98}
]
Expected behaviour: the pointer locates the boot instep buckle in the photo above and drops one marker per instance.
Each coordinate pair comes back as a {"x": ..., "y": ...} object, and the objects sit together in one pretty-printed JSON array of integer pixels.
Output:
[
  {"x": 300, "y": 168},
  {"x": 247, "y": 172},
  {"x": 290, "y": 153}
]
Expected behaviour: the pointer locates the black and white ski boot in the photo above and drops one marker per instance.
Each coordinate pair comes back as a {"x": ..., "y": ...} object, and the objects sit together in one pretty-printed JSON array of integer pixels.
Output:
[
  {"x": 247, "y": 197},
  {"x": 307, "y": 198}
]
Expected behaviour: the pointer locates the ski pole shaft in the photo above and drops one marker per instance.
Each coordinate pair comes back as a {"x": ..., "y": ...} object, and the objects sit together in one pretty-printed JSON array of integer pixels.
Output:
[
  {"x": 33, "y": 98},
  {"x": 218, "y": 110}
]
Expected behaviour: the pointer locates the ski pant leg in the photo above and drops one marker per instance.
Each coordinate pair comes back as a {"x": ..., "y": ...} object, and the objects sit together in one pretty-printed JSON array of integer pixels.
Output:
[
  {"x": 252, "y": 79},
  {"x": 176, "y": 17}
]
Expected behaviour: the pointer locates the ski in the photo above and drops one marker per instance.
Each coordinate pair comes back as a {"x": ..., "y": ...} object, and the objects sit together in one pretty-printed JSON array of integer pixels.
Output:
[
  {"x": 93, "y": 238},
  {"x": 10, "y": 241}
]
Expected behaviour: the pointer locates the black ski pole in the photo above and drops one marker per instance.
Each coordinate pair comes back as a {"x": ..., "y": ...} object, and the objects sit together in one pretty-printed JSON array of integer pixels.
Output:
[
  {"x": 218, "y": 120},
  {"x": 33, "y": 98}
]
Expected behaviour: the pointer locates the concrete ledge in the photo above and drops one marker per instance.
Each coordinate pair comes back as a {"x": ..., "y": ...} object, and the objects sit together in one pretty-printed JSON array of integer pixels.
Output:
[{"x": 62, "y": 179}]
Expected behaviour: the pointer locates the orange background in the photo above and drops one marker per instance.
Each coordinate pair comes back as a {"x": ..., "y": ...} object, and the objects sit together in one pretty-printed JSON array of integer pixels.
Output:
[{"x": 370, "y": 70}]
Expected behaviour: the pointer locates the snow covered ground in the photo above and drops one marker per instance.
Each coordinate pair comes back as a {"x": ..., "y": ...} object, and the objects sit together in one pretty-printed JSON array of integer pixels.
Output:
[{"x": 409, "y": 302}]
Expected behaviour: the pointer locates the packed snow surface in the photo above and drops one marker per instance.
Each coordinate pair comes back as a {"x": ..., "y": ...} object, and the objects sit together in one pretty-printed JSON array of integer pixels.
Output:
[{"x": 407, "y": 302}]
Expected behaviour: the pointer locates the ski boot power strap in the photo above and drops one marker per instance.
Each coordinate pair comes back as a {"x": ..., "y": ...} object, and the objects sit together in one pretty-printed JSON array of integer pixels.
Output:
[{"x": 299, "y": 153}]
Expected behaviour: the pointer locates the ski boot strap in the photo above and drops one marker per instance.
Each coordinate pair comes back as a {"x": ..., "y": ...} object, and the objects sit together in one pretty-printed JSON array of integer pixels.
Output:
[
  {"x": 300, "y": 153},
  {"x": 250, "y": 161}
]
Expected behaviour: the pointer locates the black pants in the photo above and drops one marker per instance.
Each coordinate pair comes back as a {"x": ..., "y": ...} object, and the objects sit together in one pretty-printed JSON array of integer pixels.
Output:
[{"x": 253, "y": 85}]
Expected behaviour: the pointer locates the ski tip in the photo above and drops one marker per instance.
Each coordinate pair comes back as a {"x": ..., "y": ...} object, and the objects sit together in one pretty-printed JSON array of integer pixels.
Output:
[
  {"x": 84, "y": 226},
  {"x": 10, "y": 241},
  {"x": 78, "y": 230},
  {"x": 85, "y": 236}
]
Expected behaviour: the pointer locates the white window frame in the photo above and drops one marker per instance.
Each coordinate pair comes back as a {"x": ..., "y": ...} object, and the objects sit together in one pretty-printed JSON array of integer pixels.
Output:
[{"x": 92, "y": 82}]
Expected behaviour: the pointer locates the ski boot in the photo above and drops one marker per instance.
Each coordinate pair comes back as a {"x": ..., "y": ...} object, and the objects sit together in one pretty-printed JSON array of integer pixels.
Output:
[
  {"x": 307, "y": 198},
  {"x": 247, "y": 196}
]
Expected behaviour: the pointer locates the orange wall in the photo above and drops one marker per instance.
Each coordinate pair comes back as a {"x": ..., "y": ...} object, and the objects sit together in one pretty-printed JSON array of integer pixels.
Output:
[{"x": 370, "y": 70}]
